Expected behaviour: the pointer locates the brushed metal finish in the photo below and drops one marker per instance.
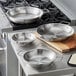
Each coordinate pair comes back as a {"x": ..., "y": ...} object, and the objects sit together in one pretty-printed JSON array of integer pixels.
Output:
[
  {"x": 24, "y": 38},
  {"x": 55, "y": 31},
  {"x": 67, "y": 7},
  {"x": 40, "y": 58},
  {"x": 24, "y": 14}
]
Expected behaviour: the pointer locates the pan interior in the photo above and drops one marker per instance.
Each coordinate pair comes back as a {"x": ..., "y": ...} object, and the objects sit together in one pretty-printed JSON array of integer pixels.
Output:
[
  {"x": 39, "y": 57},
  {"x": 24, "y": 12},
  {"x": 55, "y": 31}
]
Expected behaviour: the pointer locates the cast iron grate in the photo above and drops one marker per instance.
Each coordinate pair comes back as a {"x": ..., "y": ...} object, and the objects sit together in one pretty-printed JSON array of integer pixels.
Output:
[{"x": 51, "y": 13}]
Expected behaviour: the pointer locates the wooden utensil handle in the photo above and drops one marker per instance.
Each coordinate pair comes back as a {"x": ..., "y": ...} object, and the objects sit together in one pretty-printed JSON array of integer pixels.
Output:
[{"x": 49, "y": 43}]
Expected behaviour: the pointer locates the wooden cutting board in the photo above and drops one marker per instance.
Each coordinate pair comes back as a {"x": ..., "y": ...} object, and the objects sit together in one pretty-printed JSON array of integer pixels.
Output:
[{"x": 63, "y": 46}]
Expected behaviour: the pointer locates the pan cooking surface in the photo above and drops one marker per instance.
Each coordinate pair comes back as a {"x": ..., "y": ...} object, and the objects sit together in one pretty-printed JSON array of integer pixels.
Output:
[
  {"x": 55, "y": 31},
  {"x": 24, "y": 14},
  {"x": 24, "y": 38},
  {"x": 39, "y": 57}
]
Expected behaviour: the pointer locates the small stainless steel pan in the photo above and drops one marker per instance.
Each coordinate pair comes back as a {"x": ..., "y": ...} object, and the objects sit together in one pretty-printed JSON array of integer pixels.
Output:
[
  {"x": 23, "y": 14},
  {"x": 24, "y": 38},
  {"x": 40, "y": 58}
]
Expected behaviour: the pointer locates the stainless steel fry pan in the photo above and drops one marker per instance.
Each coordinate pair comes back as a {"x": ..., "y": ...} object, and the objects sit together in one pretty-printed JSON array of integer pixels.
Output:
[
  {"x": 40, "y": 58},
  {"x": 55, "y": 31},
  {"x": 23, "y": 14}
]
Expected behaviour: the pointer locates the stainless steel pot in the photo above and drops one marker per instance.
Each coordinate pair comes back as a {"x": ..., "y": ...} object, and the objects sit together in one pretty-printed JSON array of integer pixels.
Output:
[{"x": 23, "y": 14}]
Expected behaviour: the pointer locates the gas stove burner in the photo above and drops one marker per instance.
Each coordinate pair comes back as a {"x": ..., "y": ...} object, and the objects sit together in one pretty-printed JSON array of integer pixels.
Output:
[
  {"x": 5, "y": 2},
  {"x": 51, "y": 13}
]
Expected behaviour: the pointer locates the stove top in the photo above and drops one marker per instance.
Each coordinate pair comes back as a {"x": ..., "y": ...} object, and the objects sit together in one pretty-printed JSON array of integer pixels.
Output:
[{"x": 51, "y": 13}]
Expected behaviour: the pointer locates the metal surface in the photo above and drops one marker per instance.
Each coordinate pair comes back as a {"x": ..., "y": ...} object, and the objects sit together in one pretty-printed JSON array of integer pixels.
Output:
[
  {"x": 24, "y": 39},
  {"x": 52, "y": 14},
  {"x": 56, "y": 69},
  {"x": 3, "y": 48},
  {"x": 55, "y": 31},
  {"x": 67, "y": 7},
  {"x": 68, "y": 75},
  {"x": 2, "y": 45},
  {"x": 24, "y": 14},
  {"x": 40, "y": 58}
]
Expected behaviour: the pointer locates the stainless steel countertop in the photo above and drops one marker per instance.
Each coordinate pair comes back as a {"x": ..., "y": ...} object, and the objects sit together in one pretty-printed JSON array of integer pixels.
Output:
[
  {"x": 60, "y": 64},
  {"x": 5, "y": 25}
]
